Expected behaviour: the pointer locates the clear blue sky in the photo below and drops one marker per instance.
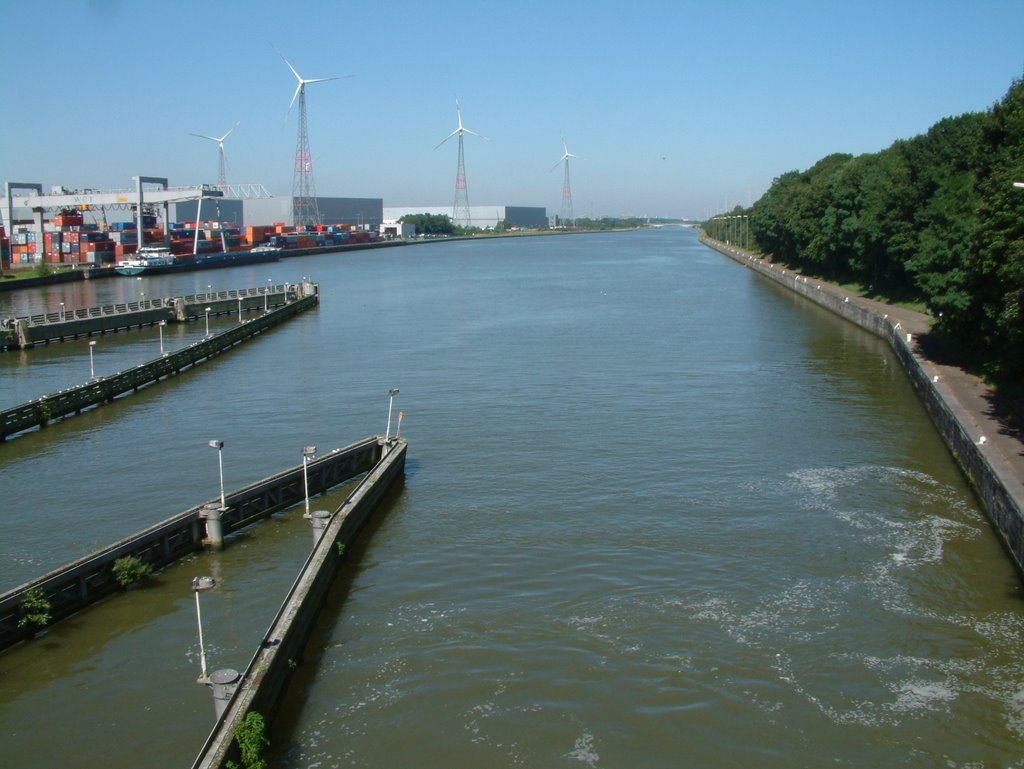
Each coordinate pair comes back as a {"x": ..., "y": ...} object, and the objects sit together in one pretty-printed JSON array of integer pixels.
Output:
[{"x": 676, "y": 108}]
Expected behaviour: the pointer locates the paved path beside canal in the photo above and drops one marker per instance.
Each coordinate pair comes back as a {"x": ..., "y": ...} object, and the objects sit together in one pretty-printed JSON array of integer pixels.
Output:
[{"x": 993, "y": 419}]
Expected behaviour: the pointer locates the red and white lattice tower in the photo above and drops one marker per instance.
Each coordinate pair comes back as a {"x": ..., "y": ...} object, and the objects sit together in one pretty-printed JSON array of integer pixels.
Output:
[
  {"x": 304, "y": 205},
  {"x": 567, "y": 219},
  {"x": 461, "y": 216}
]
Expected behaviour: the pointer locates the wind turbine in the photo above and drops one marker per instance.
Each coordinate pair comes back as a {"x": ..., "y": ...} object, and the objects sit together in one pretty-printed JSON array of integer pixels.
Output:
[
  {"x": 304, "y": 206},
  {"x": 222, "y": 179},
  {"x": 460, "y": 208},
  {"x": 567, "y": 217}
]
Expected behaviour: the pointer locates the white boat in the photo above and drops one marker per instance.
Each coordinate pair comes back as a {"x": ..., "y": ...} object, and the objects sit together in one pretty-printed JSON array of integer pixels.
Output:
[{"x": 146, "y": 259}]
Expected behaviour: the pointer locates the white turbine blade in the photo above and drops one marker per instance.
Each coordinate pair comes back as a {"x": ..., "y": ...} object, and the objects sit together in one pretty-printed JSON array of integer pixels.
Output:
[
  {"x": 290, "y": 66},
  {"x": 225, "y": 136},
  {"x": 467, "y": 131},
  {"x": 449, "y": 136},
  {"x": 321, "y": 79},
  {"x": 556, "y": 165},
  {"x": 204, "y": 136},
  {"x": 295, "y": 96}
]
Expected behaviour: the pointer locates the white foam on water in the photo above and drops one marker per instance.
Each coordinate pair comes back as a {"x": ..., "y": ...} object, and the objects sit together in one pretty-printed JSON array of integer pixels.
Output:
[{"x": 584, "y": 750}]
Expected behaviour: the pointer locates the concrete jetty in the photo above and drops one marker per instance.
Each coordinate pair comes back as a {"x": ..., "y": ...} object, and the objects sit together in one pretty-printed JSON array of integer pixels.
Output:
[
  {"x": 262, "y": 686},
  {"x": 46, "y": 328},
  {"x": 41, "y": 412},
  {"x": 75, "y": 586}
]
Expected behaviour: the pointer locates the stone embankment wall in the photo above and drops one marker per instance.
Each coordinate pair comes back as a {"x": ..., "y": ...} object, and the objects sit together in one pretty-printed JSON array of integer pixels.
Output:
[{"x": 997, "y": 485}]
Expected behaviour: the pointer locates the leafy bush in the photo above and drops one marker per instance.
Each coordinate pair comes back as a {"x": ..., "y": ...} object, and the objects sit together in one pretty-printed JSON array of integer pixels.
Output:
[
  {"x": 35, "y": 609},
  {"x": 130, "y": 570},
  {"x": 251, "y": 736}
]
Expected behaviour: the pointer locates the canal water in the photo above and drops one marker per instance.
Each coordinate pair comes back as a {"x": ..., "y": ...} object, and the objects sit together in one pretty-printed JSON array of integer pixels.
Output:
[{"x": 657, "y": 512}]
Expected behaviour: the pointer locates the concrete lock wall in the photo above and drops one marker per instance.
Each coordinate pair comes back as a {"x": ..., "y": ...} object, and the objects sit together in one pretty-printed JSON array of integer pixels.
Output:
[
  {"x": 268, "y": 674},
  {"x": 41, "y": 412},
  {"x": 81, "y": 583},
  {"x": 998, "y": 489}
]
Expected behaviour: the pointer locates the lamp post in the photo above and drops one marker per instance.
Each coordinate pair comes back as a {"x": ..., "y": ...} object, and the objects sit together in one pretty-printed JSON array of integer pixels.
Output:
[
  {"x": 239, "y": 309},
  {"x": 391, "y": 397},
  {"x": 207, "y": 321},
  {"x": 161, "y": 325},
  {"x": 208, "y": 291},
  {"x": 62, "y": 312},
  {"x": 198, "y": 585},
  {"x": 219, "y": 445},
  {"x": 92, "y": 370},
  {"x": 308, "y": 452}
]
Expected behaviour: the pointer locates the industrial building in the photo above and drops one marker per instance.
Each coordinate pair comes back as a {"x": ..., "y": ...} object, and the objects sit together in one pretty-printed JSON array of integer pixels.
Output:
[
  {"x": 363, "y": 213},
  {"x": 484, "y": 217}
]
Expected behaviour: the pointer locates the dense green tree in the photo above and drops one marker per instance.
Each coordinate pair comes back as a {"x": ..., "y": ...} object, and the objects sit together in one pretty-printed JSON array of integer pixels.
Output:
[
  {"x": 996, "y": 267},
  {"x": 430, "y": 224},
  {"x": 935, "y": 218}
]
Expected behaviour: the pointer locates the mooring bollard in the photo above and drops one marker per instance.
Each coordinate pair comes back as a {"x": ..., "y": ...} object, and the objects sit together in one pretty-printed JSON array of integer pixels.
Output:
[
  {"x": 214, "y": 532},
  {"x": 319, "y": 520},
  {"x": 223, "y": 683}
]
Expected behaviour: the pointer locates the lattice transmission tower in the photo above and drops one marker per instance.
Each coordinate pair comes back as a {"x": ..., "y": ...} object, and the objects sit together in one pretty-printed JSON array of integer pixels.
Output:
[
  {"x": 304, "y": 205},
  {"x": 461, "y": 215},
  {"x": 567, "y": 219}
]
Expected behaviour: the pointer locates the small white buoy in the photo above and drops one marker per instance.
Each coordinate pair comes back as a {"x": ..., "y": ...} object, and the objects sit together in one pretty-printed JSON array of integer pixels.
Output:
[
  {"x": 935, "y": 378},
  {"x": 982, "y": 440}
]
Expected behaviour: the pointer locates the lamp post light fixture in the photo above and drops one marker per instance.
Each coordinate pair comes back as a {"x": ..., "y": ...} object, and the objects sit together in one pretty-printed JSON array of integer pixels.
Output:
[
  {"x": 200, "y": 584},
  {"x": 160, "y": 326},
  {"x": 92, "y": 370},
  {"x": 219, "y": 445},
  {"x": 391, "y": 397},
  {"x": 308, "y": 453},
  {"x": 207, "y": 321}
]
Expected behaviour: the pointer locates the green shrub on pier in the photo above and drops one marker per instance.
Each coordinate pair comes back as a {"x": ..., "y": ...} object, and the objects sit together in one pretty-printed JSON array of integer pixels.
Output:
[
  {"x": 251, "y": 736},
  {"x": 130, "y": 570},
  {"x": 35, "y": 609}
]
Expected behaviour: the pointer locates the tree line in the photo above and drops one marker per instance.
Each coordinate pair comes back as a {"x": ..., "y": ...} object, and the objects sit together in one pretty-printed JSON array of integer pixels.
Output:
[{"x": 936, "y": 219}]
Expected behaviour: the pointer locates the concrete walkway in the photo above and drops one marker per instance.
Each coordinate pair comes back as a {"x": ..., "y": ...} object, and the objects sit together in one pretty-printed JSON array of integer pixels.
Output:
[{"x": 992, "y": 420}]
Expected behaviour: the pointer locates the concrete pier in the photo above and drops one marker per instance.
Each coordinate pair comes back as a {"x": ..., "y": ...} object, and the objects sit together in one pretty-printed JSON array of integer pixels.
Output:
[
  {"x": 76, "y": 585},
  {"x": 266, "y": 679},
  {"x": 45, "y": 328},
  {"x": 41, "y": 412}
]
